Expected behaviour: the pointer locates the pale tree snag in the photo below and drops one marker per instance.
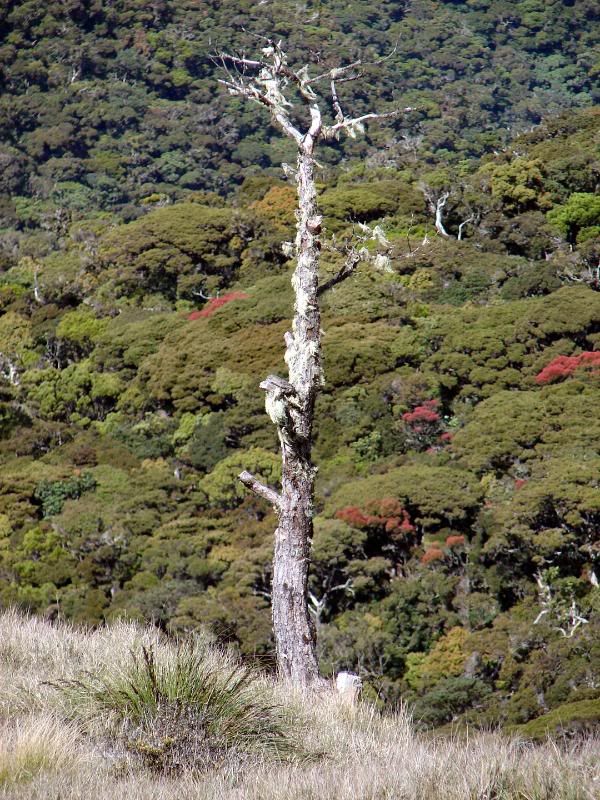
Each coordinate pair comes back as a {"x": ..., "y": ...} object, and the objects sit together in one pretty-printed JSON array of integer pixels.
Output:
[
  {"x": 271, "y": 83},
  {"x": 462, "y": 225},
  {"x": 437, "y": 203}
]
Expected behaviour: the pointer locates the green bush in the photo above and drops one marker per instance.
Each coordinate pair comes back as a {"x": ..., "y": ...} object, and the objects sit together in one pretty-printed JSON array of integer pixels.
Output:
[
  {"x": 450, "y": 697},
  {"x": 53, "y": 494},
  {"x": 568, "y": 718}
]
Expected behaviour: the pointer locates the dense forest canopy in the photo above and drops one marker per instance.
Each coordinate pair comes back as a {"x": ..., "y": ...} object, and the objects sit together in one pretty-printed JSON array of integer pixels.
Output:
[
  {"x": 144, "y": 293},
  {"x": 108, "y": 106}
]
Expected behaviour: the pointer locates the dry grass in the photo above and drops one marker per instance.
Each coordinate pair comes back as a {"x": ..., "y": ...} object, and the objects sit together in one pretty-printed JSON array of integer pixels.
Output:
[
  {"x": 37, "y": 744},
  {"x": 364, "y": 756}
]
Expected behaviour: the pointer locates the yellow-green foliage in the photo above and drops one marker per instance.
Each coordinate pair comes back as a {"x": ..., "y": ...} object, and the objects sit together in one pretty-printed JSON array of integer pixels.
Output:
[
  {"x": 578, "y": 717},
  {"x": 518, "y": 184},
  {"x": 481, "y": 351},
  {"x": 363, "y": 203},
  {"x": 183, "y": 369},
  {"x": 222, "y": 486},
  {"x": 80, "y": 327},
  {"x": 446, "y": 659},
  {"x": 527, "y": 425},
  {"x": 579, "y": 218},
  {"x": 15, "y": 334},
  {"x": 179, "y": 250},
  {"x": 354, "y": 352}
]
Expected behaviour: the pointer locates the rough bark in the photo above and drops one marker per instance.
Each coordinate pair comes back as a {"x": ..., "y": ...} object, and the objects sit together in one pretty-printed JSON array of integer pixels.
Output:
[
  {"x": 291, "y": 403},
  {"x": 292, "y": 624}
]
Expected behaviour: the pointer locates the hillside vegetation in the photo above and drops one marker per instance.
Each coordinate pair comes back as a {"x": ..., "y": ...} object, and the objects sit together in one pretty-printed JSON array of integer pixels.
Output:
[
  {"x": 108, "y": 106},
  {"x": 457, "y": 441},
  {"x": 116, "y": 714},
  {"x": 455, "y": 562}
]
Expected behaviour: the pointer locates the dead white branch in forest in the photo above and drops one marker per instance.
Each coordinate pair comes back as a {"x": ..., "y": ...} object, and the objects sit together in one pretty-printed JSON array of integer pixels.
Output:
[
  {"x": 9, "y": 370},
  {"x": 570, "y": 618},
  {"x": 437, "y": 203}
]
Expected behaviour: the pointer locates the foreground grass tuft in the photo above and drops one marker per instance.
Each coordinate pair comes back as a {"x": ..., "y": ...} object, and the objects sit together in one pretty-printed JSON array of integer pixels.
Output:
[
  {"x": 184, "y": 707},
  {"x": 36, "y": 745}
]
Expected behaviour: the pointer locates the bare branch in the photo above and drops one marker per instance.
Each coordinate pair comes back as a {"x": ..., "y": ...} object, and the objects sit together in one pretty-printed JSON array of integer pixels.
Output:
[
  {"x": 542, "y": 614},
  {"x": 357, "y": 251},
  {"x": 350, "y": 124},
  {"x": 200, "y": 293},
  {"x": 339, "y": 73},
  {"x": 264, "y": 88},
  {"x": 238, "y": 61},
  {"x": 352, "y": 261},
  {"x": 462, "y": 225},
  {"x": 278, "y": 67},
  {"x": 337, "y": 108},
  {"x": 336, "y": 73},
  {"x": 248, "y": 479}
]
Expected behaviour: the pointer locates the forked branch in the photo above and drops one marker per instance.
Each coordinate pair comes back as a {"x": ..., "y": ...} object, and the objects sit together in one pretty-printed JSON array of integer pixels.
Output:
[
  {"x": 264, "y": 81},
  {"x": 356, "y": 252}
]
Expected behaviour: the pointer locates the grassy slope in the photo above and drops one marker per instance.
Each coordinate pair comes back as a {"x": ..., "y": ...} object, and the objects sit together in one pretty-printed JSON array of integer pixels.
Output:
[{"x": 45, "y": 753}]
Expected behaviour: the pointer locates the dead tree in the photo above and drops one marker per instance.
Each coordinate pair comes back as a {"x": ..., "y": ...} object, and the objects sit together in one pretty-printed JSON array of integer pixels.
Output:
[
  {"x": 289, "y": 95},
  {"x": 436, "y": 202}
]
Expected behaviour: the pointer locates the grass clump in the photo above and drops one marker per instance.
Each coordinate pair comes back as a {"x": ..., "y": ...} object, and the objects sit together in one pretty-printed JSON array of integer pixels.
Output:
[
  {"x": 39, "y": 744},
  {"x": 185, "y": 707}
]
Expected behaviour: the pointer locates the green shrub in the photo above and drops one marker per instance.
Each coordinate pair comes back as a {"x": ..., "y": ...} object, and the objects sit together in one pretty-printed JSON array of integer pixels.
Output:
[
  {"x": 53, "y": 494},
  {"x": 567, "y": 718},
  {"x": 450, "y": 697}
]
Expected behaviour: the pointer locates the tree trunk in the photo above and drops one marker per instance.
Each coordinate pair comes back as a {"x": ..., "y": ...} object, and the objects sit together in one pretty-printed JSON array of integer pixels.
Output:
[
  {"x": 291, "y": 404},
  {"x": 293, "y": 627}
]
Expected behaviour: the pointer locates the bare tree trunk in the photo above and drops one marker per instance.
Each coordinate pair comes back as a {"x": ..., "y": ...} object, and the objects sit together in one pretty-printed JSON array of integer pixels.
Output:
[
  {"x": 293, "y": 627},
  {"x": 439, "y": 210},
  {"x": 291, "y": 403}
]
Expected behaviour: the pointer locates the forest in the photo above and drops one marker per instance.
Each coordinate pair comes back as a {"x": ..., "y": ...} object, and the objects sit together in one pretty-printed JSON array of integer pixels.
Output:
[{"x": 144, "y": 294}]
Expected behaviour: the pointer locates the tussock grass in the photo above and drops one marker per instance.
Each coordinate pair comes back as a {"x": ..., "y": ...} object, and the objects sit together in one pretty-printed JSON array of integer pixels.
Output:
[
  {"x": 35, "y": 653},
  {"x": 184, "y": 707},
  {"x": 134, "y": 715}
]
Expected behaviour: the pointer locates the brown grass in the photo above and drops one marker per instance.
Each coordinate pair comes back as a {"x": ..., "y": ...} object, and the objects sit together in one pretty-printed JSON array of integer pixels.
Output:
[{"x": 361, "y": 754}]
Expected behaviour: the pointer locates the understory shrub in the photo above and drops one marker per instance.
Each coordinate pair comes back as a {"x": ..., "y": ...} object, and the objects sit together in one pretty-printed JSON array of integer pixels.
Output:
[{"x": 53, "y": 494}]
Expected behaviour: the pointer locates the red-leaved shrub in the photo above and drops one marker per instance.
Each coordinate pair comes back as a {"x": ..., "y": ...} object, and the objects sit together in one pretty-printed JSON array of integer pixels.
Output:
[
  {"x": 456, "y": 540},
  {"x": 423, "y": 426},
  {"x": 432, "y": 554},
  {"x": 217, "y": 302},
  {"x": 425, "y": 413},
  {"x": 387, "y": 514},
  {"x": 564, "y": 366}
]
